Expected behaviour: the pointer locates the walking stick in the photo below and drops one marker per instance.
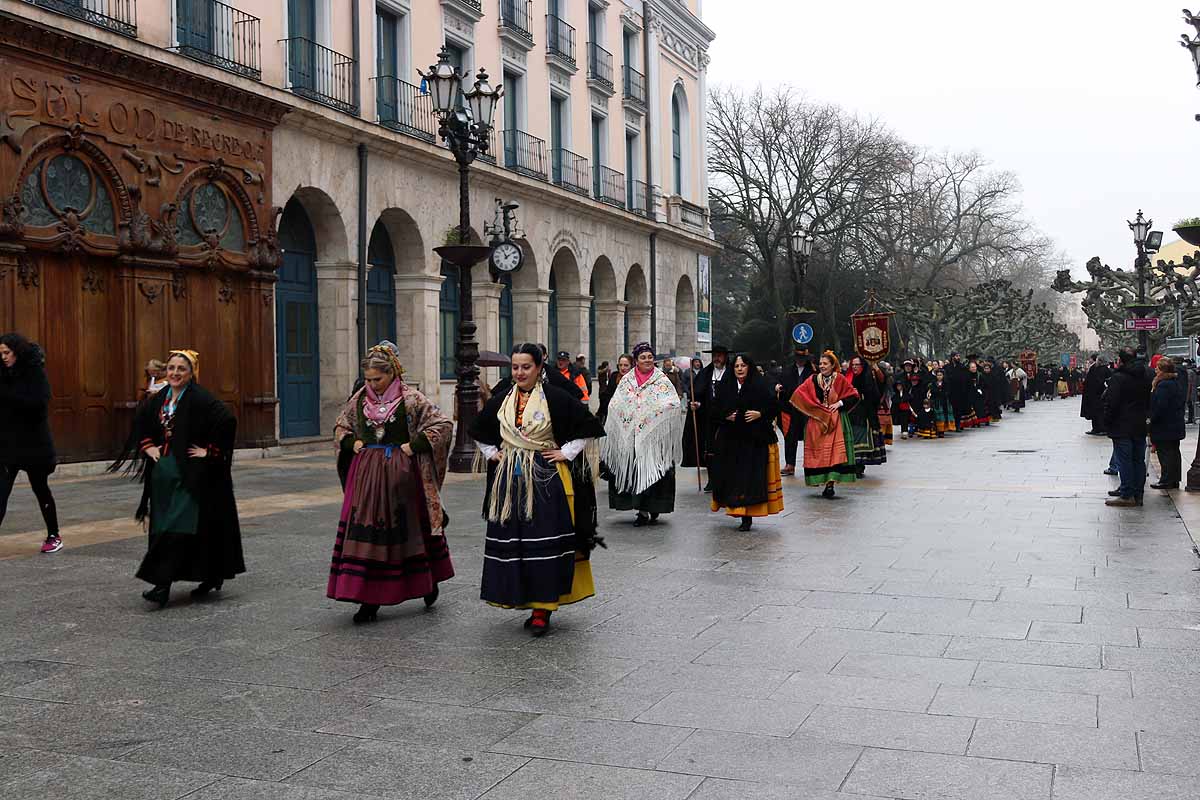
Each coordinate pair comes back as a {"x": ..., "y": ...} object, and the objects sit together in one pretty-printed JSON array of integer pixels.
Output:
[{"x": 695, "y": 428}]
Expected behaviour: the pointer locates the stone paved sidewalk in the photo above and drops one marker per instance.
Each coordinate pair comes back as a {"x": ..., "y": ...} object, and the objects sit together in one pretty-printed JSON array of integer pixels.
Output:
[{"x": 970, "y": 622}]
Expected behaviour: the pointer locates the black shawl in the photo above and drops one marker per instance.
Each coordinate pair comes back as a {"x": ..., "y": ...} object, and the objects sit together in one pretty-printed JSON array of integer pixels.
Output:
[{"x": 738, "y": 469}]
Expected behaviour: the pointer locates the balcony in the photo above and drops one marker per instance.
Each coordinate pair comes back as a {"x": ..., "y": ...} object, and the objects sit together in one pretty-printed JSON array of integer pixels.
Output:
[
  {"x": 217, "y": 34},
  {"x": 634, "y": 87},
  {"x": 600, "y": 69},
  {"x": 609, "y": 186},
  {"x": 321, "y": 74},
  {"x": 516, "y": 22},
  {"x": 405, "y": 108},
  {"x": 560, "y": 42},
  {"x": 692, "y": 215},
  {"x": 571, "y": 171},
  {"x": 471, "y": 9},
  {"x": 636, "y": 198},
  {"x": 525, "y": 154},
  {"x": 489, "y": 157},
  {"x": 119, "y": 16}
]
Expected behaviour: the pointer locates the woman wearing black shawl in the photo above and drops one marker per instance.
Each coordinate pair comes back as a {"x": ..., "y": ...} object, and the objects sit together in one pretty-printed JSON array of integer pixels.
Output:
[
  {"x": 978, "y": 392},
  {"x": 864, "y": 417},
  {"x": 744, "y": 470},
  {"x": 997, "y": 385},
  {"x": 183, "y": 442}
]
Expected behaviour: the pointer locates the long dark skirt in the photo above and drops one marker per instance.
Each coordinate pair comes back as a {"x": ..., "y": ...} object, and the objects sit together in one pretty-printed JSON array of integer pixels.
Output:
[
  {"x": 191, "y": 539},
  {"x": 868, "y": 439},
  {"x": 385, "y": 552},
  {"x": 531, "y": 563},
  {"x": 690, "y": 444},
  {"x": 659, "y": 498}
]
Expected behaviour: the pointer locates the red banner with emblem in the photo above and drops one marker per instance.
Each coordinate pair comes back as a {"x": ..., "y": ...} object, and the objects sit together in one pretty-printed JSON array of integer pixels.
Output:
[{"x": 872, "y": 339}]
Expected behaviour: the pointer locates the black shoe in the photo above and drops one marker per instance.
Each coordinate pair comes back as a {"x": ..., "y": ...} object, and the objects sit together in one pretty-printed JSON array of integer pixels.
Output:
[
  {"x": 641, "y": 520},
  {"x": 160, "y": 594},
  {"x": 708, "y": 486},
  {"x": 828, "y": 493},
  {"x": 432, "y": 597},
  {"x": 206, "y": 587},
  {"x": 654, "y": 518},
  {"x": 746, "y": 523},
  {"x": 1115, "y": 493},
  {"x": 1110, "y": 472},
  {"x": 366, "y": 613}
]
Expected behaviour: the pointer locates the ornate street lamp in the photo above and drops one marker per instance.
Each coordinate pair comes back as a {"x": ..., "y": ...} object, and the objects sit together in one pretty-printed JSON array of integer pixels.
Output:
[
  {"x": 1192, "y": 43},
  {"x": 1141, "y": 230},
  {"x": 466, "y": 130}
]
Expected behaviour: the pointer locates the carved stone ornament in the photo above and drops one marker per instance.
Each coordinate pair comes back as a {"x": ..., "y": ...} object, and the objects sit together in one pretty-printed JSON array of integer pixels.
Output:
[
  {"x": 29, "y": 274},
  {"x": 142, "y": 235},
  {"x": 11, "y": 226},
  {"x": 93, "y": 280},
  {"x": 264, "y": 252},
  {"x": 179, "y": 284},
  {"x": 71, "y": 232},
  {"x": 150, "y": 291},
  {"x": 151, "y": 169},
  {"x": 225, "y": 292},
  {"x": 12, "y": 130}
]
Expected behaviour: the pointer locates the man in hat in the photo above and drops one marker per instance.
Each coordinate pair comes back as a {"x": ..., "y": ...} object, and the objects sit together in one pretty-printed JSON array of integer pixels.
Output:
[
  {"x": 571, "y": 374},
  {"x": 582, "y": 369},
  {"x": 794, "y": 374},
  {"x": 710, "y": 379}
]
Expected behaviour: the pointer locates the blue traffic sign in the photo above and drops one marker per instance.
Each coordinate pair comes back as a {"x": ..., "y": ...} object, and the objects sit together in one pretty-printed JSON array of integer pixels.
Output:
[{"x": 802, "y": 333}]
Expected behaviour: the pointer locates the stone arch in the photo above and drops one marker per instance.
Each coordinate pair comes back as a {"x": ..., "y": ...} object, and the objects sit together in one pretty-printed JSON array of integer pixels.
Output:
[
  {"x": 408, "y": 246},
  {"x": 636, "y": 292},
  {"x": 530, "y": 302},
  {"x": 564, "y": 269},
  {"x": 637, "y": 307},
  {"x": 606, "y": 318},
  {"x": 566, "y": 316},
  {"x": 603, "y": 282},
  {"x": 685, "y": 318},
  {"x": 328, "y": 226}
]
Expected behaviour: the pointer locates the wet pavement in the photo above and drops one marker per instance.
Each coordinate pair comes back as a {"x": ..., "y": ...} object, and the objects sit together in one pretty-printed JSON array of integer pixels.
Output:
[{"x": 969, "y": 622}]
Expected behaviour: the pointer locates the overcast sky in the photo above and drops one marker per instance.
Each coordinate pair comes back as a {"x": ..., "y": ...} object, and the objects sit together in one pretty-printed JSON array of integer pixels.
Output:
[{"x": 1091, "y": 104}]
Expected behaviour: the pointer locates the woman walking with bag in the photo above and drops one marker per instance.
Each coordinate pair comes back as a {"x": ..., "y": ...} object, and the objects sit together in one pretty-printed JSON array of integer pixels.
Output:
[{"x": 25, "y": 441}]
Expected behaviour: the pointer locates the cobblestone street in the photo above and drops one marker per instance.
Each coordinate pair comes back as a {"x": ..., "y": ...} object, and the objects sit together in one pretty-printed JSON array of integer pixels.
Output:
[{"x": 970, "y": 622}]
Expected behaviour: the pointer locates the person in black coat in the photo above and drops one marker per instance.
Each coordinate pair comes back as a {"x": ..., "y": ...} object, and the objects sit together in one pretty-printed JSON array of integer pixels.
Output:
[
  {"x": 744, "y": 468},
  {"x": 1126, "y": 406},
  {"x": 708, "y": 386},
  {"x": 25, "y": 441},
  {"x": 794, "y": 374},
  {"x": 1167, "y": 428},
  {"x": 1091, "y": 407}
]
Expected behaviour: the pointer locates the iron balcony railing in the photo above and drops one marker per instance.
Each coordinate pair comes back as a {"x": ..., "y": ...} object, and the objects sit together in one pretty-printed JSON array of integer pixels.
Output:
[
  {"x": 525, "y": 154},
  {"x": 571, "y": 171},
  {"x": 321, "y": 74},
  {"x": 560, "y": 38},
  {"x": 637, "y": 198},
  {"x": 609, "y": 186},
  {"x": 405, "y": 108},
  {"x": 490, "y": 156},
  {"x": 634, "y": 86},
  {"x": 217, "y": 34},
  {"x": 517, "y": 16},
  {"x": 691, "y": 214},
  {"x": 600, "y": 65},
  {"x": 119, "y": 16}
]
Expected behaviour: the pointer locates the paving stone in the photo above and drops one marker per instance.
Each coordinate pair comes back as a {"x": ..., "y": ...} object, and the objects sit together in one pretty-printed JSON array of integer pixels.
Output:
[
  {"x": 96, "y": 732},
  {"x": 721, "y": 789},
  {"x": 243, "y": 789},
  {"x": 1176, "y": 754},
  {"x": 97, "y": 687},
  {"x": 799, "y": 761},
  {"x": 1083, "y": 633},
  {"x": 951, "y": 671},
  {"x": 903, "y": 644},
  {"x": 1183, "y": 662},
  {"x": 1055, "y": 744},
  {"x": 845, "y": 690},
  {"x": 885, "y": 602},
  {"x": 435, "y": 723},
  {"x": 1114, "y": 683},
  {"x": 1165, "y": 601},
  {"x": 1142, "y": 618},
  {"x": 1009, "y": 611},
  {"x": 1023, "y": 705},
  {"x": 79, "y": 778},
  {"x": 815, "y": 617},
  {"x": 590, "y": 741},
  {"x": 1169, "y": 638},
  {"x": 896, "y": 730},
  {"x": 554, "y": 780},
  {"x": 409, "y": 771},
  {"x": 1026, "y": 652},
  {"x": 750, "y": 681},
  {"x": 431, "y": 685},
  {"x": 1081, "y": 783},
  {"x": 785, "y": 656},
  {"x": 1164, "y": 714},
  {"x": 13, "y": 709},
  {"x": 267, "y": 753},
  {"x": 909, "y": 622},
  {"x": 916, "y": 776},
  {"x": 954, "y": 591},
  {"x": 577, "y": 698},
  {"x": 1150, "y": 683},
  {"x": 727, "y": 713},
  {"x": 267, "y": 706}
]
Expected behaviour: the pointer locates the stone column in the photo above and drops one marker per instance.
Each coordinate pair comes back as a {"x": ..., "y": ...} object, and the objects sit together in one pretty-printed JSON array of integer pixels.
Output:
[
  {"x": 702, "y": 140},
  {"x": 417, "y": 329},
  {"x": 654, "y": 110},
  {"x": 486, "y": 297},
  {"x": 610, "y": 330},
  {"x": 573, "y": 331},
  {"x": 337, "y": 335},
  {"x": 531, "y": 311},
  {"x": 639, "y": 324}
]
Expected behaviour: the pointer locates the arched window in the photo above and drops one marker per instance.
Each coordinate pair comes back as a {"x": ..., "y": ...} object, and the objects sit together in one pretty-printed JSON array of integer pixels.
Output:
[
  {"x": 208, "y": 210},
  {"x": 448, "y": 304},
  {"x": 381, "y": 287},
  {"x": 677, "y": 142},
  {"x": 506, "y": 320},
  {"x": 63, "y": 184}
]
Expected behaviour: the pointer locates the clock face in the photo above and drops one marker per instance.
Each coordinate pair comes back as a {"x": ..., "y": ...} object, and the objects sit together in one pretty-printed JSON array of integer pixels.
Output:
[{"x": 507, "y": 257}]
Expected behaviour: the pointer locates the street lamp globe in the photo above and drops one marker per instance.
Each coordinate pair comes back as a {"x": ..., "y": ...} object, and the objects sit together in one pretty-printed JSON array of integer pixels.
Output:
[
  {"x": 807, "y": 248},
  {"x": 444, "y": 82},
  {"x": 1140, "y": 228},
  {"x": 798, "y": 240},
  {"x": 482, "y": 100}
]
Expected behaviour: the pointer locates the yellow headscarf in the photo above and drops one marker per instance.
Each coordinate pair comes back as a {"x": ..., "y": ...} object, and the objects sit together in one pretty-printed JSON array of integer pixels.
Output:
[{"x": 192, "y": 357}]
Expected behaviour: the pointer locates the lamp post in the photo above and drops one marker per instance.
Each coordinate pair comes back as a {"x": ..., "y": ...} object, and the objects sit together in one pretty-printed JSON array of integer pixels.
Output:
[
  {"x": 1141, "y": 230},
  {"x": 800, "y": 244},
  {"x": 465, "y": 127}
]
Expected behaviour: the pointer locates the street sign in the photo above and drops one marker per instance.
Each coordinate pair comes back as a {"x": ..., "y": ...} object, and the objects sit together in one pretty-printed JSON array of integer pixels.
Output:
[
  {"x": 1142, "y": 324},
  {"x": 802, "y": 333},
  {"x": 1182, "y": 347}
]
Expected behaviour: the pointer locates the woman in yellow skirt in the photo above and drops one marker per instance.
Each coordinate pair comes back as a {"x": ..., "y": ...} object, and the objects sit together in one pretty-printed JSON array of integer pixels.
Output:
[{"x": 745, "y": 467}]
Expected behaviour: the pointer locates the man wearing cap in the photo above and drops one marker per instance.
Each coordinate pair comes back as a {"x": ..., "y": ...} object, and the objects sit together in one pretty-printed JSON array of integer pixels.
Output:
[
  {"x": 794, "y": 374},
  {"x": 582, "y": 369},
  {"x": 710, "y": 379},
  {"x": 569, "y": 372}
]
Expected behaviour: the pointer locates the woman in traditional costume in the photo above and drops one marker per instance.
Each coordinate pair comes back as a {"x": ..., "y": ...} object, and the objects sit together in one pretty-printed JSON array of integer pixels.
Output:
[
  {"x": 609, "y": 387},
  {"x": 391, "y": 539},
  {"x": 978, "y": 391},
  {"x": 941, "y": 410},
  {"x": 825, "y": 399},
  {"x": 643, "y": 440},
  {"x": 887, "y": 371},
  {"x": 540, "y": 503},
  {"x": 864, "y": 417},
  {"x": 745, "y": 468},
  {"x": 185, "y": 438}
]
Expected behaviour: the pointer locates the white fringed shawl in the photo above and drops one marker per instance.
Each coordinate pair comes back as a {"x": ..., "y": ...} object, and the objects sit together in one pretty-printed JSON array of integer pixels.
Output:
[{"x": 643, "y": 433}]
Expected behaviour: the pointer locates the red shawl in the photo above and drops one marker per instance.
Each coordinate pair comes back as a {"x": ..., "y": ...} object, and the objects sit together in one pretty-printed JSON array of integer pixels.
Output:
[{"x": 805, "y": 399}]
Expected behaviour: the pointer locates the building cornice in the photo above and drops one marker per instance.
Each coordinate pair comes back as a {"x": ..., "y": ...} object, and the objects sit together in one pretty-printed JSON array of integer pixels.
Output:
[{"x": 684, "y": 20}]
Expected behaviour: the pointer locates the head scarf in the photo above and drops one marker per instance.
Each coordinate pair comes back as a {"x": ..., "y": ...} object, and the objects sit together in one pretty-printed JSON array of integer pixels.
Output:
[
  {"x": 193, "y": 359},
  {"x": 639, "y": 348},
  {"x": 381, "y": 409},
  {"x": 390, "y": 353}
]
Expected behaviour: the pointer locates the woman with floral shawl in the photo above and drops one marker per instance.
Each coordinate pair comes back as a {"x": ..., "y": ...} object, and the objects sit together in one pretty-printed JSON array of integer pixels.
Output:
[
  {"x": 391, "y": 543},
  {"x": 540, "y": 503},
  {"x": 643, "y": 440},
  {"x": 744, "y": 469},
  {"x": 826, "y": 398}
]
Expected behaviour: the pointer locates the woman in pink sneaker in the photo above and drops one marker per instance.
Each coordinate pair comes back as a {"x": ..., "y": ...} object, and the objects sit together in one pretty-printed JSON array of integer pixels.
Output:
[{"x": 25, "y": 441}]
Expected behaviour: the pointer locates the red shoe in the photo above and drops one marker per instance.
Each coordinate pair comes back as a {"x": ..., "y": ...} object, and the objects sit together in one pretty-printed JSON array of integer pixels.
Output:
[{"x": 539, "y": 622}]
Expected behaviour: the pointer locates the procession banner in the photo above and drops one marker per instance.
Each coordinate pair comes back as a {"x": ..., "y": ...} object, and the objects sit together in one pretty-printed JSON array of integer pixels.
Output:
[
  {"x": 703, "y": 301},
  {"x": 1028, "y": 359},
  {"x": 872, "y": 340}
]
